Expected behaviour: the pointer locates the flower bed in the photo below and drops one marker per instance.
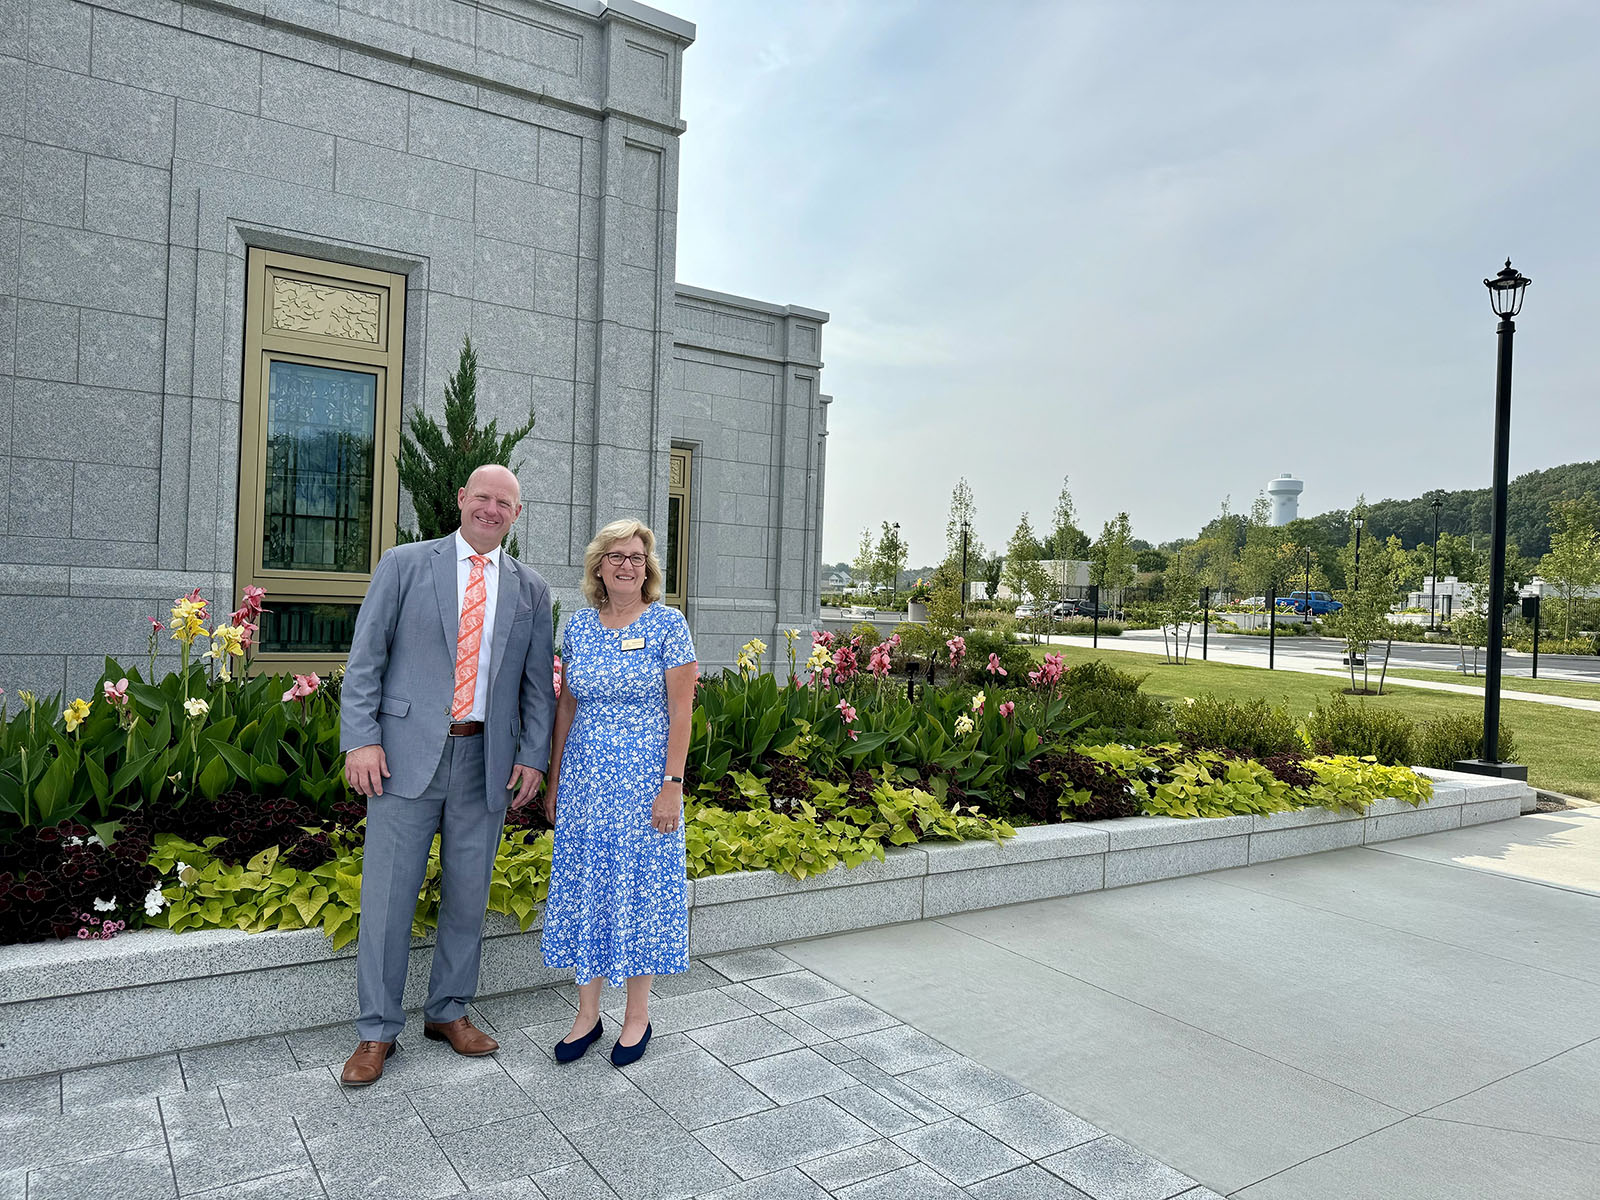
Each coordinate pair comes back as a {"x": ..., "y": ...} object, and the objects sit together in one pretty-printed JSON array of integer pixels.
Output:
[{"x": 210, "y": 800}]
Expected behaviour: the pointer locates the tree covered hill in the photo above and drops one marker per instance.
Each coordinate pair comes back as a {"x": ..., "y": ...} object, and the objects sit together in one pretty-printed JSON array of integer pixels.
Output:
[{"x": 1467, "y": 512}]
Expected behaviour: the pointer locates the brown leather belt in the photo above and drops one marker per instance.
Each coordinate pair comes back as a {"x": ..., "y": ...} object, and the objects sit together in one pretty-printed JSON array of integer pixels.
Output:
[{"x": 466, "y": 728}]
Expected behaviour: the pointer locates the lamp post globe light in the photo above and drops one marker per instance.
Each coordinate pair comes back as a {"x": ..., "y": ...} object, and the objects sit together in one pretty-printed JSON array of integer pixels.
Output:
[{"x": 1505, "y": 296}]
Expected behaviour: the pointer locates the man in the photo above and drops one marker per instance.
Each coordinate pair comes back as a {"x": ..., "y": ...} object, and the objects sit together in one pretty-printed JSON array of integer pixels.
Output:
[{"x": 447, "y": 704}]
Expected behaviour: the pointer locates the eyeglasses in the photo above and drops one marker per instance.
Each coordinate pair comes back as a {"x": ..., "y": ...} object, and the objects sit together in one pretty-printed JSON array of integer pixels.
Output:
[{"x": 616, "y": 558}]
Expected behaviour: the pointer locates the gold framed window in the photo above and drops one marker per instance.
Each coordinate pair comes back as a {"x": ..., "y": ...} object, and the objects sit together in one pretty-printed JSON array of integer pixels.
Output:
[
  {"x": 676, "y": 561},
  {"x": 320, "y": 428}
]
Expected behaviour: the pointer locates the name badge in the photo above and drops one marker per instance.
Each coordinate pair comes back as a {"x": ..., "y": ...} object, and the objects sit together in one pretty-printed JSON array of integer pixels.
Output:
[{"x": 633, "y": 643}]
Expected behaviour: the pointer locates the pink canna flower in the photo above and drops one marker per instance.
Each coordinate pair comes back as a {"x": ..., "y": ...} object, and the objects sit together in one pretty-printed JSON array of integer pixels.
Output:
[
  {"x": 881, "y": 661},
  {"x": 155, "y": 624},
  {"x": 304, "y": 685},
  {"x": 194, "y": 597},
  {"x": 846, "y": 710},
  {"x": 958, "y": 649},
  {"x": 1007, "y": 709},
  {"x": 558, "y": 672},
  {"x": 846, "y": 666},
  {"x": 994, "y": 665},
  {"x": 253, "y": 596},
  {"x": 116, "y": 693}
]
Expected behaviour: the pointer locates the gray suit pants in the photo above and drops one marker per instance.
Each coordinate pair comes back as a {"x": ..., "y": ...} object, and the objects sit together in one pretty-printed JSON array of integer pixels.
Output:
[{"x": 400, "y": 832}]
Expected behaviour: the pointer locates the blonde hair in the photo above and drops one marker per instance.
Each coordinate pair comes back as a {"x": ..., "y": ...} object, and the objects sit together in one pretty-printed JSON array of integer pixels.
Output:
[{"x": 594, "y": 588}]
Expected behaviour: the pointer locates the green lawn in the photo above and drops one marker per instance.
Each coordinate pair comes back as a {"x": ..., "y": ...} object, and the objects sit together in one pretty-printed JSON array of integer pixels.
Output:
[
  {"x": 1510, "y": 683},
  {"x": 1558, "y": 744}
]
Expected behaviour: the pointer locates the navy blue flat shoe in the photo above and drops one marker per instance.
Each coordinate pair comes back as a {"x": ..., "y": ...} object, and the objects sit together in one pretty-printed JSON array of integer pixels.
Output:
[
  {"x": 623, "y": 1055},
  {"x": 572, "y": 1051}
]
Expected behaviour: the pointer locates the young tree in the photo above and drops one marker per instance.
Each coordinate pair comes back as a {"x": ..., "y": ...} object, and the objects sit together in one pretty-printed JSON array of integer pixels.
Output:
[
  {"x": 1023, "y": 572},
  {"x": 889, "y": 559},
  {"x": 1258, "y": 568},
  {"x": 963, "y": 511},
  {"x": 434, "y": 463},
  {"x": 1066, "y": 540},
  {"x": 1111, "y": 558},
  {"x": 1573, "y": 564},
  {"x": 866, "y": 560},
  {"x": 1180, "y": 605},
  {"x": 1222, "y": 551},
  {"x": 1364, "y": 619}
]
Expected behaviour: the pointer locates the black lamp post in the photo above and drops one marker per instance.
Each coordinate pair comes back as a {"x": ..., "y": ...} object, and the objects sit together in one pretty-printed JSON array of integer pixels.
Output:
[
  {"x": 1433, "y": 590},
  {"x": 966, "y": 532},
  {"x": 1505, "y": 294},
  {"x": 1358, "y": 524},
  {"x": 1308, "y": 589},
  {"x": 894, "y": 579}
]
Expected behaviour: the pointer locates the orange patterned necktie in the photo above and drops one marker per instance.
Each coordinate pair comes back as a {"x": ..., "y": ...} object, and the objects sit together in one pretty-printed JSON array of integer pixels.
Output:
[{"x": 468, "y": 639}]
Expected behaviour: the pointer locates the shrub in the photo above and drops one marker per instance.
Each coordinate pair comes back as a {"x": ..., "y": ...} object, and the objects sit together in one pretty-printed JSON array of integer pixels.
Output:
[
  {"x": 1445, "y": 741},
  {"x": 869, "y": 633},
  {"x": 983, "y": 642},
  {"x": 1000, "y": 621},
  {"x": 1084, "y": 627},
  {"x": 1363, "y": 730},
  {"x": 1253, "y": 727},
  {"x": 1113, "y": 707}
]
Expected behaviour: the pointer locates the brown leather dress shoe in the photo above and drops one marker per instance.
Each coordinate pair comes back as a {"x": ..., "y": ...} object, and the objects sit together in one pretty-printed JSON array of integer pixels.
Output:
[
  {"x": 366, "y": 1064},
  {"x": 464, "y": 1037}
]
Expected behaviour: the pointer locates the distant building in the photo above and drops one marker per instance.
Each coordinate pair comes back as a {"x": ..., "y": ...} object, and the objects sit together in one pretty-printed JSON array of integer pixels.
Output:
[{"x": 1284, "y": 492}]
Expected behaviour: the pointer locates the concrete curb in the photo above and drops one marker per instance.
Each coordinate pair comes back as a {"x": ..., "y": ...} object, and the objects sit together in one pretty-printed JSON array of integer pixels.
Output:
[{"x": 71, "y": 1004}]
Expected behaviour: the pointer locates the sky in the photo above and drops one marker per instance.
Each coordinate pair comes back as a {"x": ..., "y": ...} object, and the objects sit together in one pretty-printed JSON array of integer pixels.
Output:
[{"x": 1166, "y": 250}]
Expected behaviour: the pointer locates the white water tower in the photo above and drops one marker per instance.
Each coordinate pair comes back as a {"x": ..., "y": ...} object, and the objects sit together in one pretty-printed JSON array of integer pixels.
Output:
[{"x": 1285, "y": 494}]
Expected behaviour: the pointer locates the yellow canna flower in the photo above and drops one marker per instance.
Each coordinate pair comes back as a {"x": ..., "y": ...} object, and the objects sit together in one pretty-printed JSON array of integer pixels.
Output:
[
  {"x": 75, "y": 714},
  {"x": 230, "y": 638}
]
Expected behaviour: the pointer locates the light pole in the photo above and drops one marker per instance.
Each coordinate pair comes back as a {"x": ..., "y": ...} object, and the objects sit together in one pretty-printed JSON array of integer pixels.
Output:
[
  {"x": 894, "y": 580},
  {"x": 1358, "y": 524},
  {"x": 966, "y": 530},
  {"x": 1505, "y": 295},
  {"x": 1308, "y": 589},
  {"x": 1433, "y": 589}
]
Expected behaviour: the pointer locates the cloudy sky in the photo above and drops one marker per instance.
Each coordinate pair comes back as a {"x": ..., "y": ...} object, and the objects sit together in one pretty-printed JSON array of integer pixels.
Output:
[{"x": 1169, "y": 250}]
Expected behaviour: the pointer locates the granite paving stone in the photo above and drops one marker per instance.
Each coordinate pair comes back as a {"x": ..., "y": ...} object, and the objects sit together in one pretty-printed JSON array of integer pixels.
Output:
[
  {"x": 396, "y": 1160},
  {"x": 835, "y": 1052},
  {"x": 740, "y": 1041},
  {"x": 835, "y": 1171},
  {"x": 844, "y": 1016},
  {"x": 960, "y": 1152},
  {"x": 522, "y": 1188},
  {"x": 796, "y": 1075},
  {"x": 1032, "y": 1125},
  {"x": 652, "y": 1158},
  {"x": 210, "y": 1158},
  {"x": 805, "y": 1034},
  {"x": 299, "y": 1093},
  {"x": 916, "y": 1182},
  {"x": 421, "y": 1064},
  {"x": 506, "y": 1149},
  {"x": 550, "y": 1084},
  {"x": 788, "y": 1184},
  {"x": 94, "y": 1086},
  {"x": 696, "y": 1089},
  {"x": 880, "y": 1081},
  {"x": 750, "y": 998},
  {"x": 143, "y": 1174},
  {"x": 47, "y": 1137},
  {"x": 1031, "y": 1182},
  {"x": 876, "y": 1109},
  {"x": 188, "y": 1112},
  {"x": 572, "y": 1181},
  {"x": 699, "y": 977},
  {"x": 301, "y": 1184},
  {"x": 796, "y": 988},
  {"x": 237, "y": 1061},
  {"x": 783, "y": 1137},
  {"x": 521, "y": 1009},
  {"x": 1110, "y": 1169},
  {"x": 631, "y": 1106},
  {"x": 961, "y": 1084},
  {"x": 899, "y": 1048},
  {"x": 325, "y": 1047},
  {"x": 677, "y": 1014},
  {"x": 745, "y": 965},
  {"x": 450, "y": 1110},
  {"x": 21, "y": 1100}
]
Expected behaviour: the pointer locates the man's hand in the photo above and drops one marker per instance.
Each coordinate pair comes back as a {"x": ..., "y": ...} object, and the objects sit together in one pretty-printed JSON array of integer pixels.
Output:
[
  {"x": 365, "y": 769},
  {"x": 526, "y": 780}
]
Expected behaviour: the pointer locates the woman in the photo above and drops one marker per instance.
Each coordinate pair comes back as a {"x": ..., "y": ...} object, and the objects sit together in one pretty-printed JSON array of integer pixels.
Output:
[{"x": 618, "y": 905}]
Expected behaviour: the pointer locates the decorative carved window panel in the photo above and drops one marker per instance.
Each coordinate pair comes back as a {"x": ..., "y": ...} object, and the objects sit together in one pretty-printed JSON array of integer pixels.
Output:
[{"x": 320, "y": 428}]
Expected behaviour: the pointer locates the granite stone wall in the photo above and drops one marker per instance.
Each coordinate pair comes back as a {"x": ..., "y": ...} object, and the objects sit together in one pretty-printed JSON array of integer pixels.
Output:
[{"x": 517, "y": 163}]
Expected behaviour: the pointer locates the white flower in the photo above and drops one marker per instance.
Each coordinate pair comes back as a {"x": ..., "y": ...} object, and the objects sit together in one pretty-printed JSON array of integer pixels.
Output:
[
  {"x": 93, "y": 840},
  {"x": 196, "y": 708},
  {"x": 963, "y": 725},
  {"x": 154, "y": 901},
  {"x": 73, "y": 841},
  {"x": 104, "y": 905},
  {"x": 186, "y": 874}
]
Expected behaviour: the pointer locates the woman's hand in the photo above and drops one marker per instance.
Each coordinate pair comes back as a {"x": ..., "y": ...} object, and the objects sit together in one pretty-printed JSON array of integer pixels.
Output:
[
  {"x": 550, "y": 797},
  {"x": 664, "y": 813}
]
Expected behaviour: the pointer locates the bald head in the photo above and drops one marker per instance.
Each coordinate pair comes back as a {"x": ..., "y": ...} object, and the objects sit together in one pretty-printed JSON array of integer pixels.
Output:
[{"x": 490, "y": 503}]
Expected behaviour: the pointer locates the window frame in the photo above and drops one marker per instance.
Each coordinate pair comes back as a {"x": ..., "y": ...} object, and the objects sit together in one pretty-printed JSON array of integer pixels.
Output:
[
  {"x": 680, "y": 480},
  {"x": 266, "y": 342}
]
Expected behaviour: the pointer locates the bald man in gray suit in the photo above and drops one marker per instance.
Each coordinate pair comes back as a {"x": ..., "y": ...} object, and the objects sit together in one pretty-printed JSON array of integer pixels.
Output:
[{"x": 446, "y": 710}]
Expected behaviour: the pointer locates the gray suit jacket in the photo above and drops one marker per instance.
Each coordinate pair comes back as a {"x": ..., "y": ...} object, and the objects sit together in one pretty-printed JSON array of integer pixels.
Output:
[{"x": 400, "y": 678}]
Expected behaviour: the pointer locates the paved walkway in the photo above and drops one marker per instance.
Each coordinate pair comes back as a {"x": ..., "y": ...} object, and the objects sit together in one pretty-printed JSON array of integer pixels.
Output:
[
  {"x": 1315, "y": 660},
  {"x": 1417, "y": 1021},
  {"x": 763, "y": 1082}
]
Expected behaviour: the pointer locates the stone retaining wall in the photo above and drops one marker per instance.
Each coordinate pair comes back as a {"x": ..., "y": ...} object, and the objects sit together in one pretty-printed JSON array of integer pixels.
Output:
[{"x": 69, "y": 1004}]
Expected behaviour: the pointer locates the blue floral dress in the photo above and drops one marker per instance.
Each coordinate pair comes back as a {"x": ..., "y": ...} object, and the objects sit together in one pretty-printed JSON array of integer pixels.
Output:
[{"x": 618, "y": 902}]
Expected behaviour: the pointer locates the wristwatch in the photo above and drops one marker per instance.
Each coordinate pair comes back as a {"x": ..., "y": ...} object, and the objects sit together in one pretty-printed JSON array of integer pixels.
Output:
[{"x": 672, "y": 779}]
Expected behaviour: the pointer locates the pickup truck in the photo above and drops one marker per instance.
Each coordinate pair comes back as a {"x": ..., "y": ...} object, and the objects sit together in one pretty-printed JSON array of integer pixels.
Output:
[{"x": 1321, "y": 603}]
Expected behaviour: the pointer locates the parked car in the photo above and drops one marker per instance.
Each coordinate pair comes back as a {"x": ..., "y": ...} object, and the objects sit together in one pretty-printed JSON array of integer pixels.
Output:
[
  {"x": 1085, "y": 607},
  {"x": 1064, "y": 609},
  {"x": 1025, "y": 612},
  {"x": 1321, "y": 603}
]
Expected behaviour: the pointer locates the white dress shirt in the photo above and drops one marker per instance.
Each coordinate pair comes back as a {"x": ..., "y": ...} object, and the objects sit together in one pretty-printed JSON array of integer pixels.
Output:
[{"x": 491, "y": 587}]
